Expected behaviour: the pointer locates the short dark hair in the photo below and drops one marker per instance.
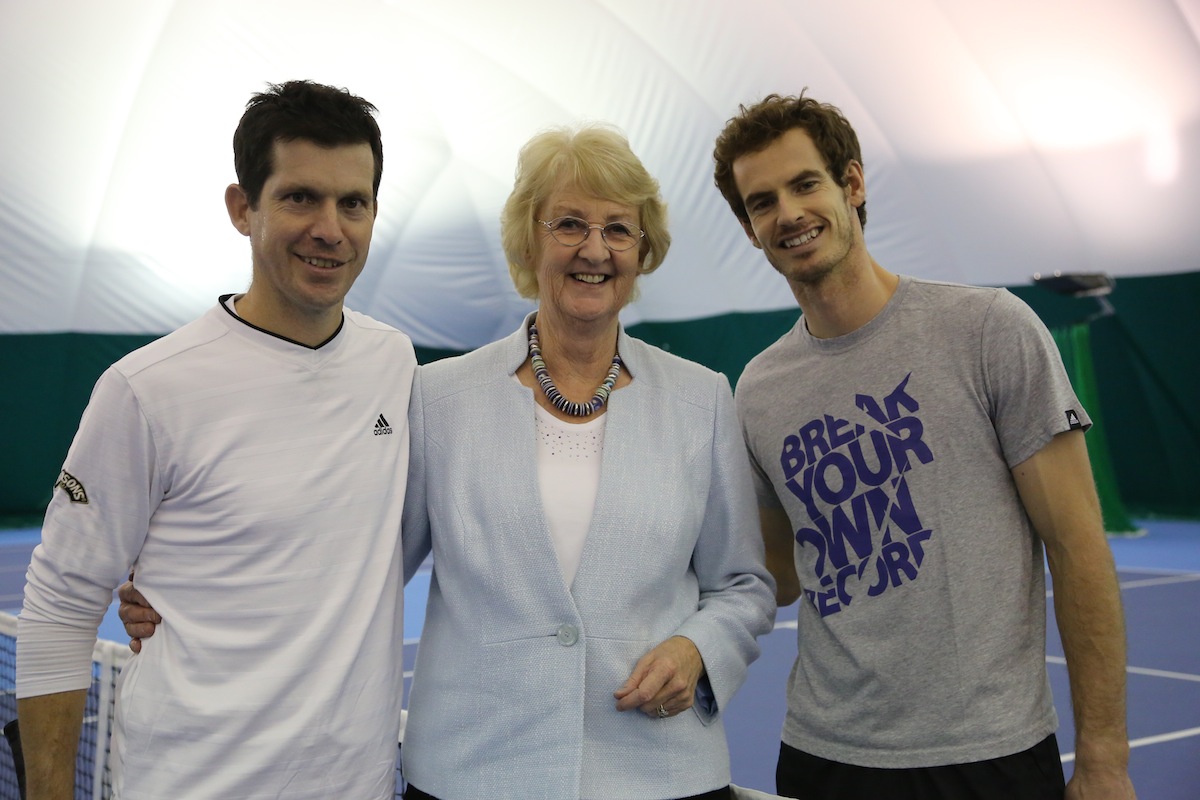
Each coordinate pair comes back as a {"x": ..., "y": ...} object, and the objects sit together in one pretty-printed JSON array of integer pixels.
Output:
[
  {"x": 757, "y": 126},
  {"x": 324, "y": 115}
]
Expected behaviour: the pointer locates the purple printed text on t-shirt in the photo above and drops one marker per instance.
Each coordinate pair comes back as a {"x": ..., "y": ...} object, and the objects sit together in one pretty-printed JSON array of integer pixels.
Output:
[{"x": 850, "y": 477}]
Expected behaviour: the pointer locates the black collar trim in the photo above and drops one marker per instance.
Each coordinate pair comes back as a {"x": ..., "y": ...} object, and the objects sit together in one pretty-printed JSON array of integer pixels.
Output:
[{"x": 223, "y": 301}]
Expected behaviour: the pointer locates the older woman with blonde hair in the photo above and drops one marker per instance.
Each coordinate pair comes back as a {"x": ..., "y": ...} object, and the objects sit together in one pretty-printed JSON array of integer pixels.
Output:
[{"x": 598, "y": 579}]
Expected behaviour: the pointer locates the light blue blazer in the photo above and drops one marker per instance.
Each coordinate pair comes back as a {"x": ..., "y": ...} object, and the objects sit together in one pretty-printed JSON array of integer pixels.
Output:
[{"x": 512, "y": 695}]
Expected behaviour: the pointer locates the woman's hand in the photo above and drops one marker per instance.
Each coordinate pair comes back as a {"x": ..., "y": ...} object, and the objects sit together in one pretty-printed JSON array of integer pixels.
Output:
[
  {"x": 139, "y": 618},
  {"x": 663, "y": 682}
]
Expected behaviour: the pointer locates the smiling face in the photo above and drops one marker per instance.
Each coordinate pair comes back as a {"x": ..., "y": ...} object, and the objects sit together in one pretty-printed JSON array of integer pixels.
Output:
[
  {"x": 586, "y": 282},
  {"x": 309, "y": 236},
  {"x": 802, "y": 220}
]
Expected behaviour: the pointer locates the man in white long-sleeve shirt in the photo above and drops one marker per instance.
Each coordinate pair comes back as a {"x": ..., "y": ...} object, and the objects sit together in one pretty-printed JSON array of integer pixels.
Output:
[{"x": 251, "y": 464}]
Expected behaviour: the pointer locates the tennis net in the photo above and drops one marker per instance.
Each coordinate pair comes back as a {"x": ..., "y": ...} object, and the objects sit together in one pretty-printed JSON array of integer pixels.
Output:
[
  {"x": 93, "y": 775},
  {"x": 93, "y": 778}
]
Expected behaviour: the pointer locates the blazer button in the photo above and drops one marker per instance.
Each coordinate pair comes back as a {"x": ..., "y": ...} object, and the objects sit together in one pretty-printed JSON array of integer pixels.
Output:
[{"x": 567, "y": 635}]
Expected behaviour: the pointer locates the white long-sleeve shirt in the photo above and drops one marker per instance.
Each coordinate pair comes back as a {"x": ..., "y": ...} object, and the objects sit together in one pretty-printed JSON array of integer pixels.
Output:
[{"x": 258, "y": 486}]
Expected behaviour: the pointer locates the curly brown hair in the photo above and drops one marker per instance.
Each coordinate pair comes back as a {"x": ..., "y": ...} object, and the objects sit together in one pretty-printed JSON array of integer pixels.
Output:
[{"x": 757, "y": 126}]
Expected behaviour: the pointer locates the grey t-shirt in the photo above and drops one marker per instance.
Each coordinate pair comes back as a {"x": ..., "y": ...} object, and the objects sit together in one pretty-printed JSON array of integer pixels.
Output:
[{"x": 921, "y": 634}]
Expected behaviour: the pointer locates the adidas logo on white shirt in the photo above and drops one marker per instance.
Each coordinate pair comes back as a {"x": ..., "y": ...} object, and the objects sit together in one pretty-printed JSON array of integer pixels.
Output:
[{"x": 382, "y": 427}]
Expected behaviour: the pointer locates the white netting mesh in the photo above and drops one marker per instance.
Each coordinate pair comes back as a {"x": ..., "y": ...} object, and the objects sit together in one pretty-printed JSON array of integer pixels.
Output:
[
  {"x": 93, "y": 779},
  {"x": 92, "y": 776}
]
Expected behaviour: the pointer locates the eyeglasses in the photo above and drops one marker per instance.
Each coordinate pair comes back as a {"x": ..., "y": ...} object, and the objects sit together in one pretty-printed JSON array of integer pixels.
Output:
[{"x": 573, "y": 231}]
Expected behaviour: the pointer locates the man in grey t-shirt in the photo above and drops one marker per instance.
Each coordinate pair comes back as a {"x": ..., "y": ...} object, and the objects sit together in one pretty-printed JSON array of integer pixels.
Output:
[{"x": 916, "y": 445}]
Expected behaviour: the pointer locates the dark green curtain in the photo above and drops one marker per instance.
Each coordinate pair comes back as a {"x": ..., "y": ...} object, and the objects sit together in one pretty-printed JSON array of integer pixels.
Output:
[{"x": 1144, "y": 356}]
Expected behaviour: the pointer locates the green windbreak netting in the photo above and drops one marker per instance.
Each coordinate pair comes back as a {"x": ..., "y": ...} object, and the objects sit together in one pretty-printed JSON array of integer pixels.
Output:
[{"x": 1074, "y": 343}]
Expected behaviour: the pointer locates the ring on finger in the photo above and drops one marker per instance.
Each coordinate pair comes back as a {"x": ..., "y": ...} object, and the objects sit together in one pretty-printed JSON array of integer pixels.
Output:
[{"x": 662, "y": 712}]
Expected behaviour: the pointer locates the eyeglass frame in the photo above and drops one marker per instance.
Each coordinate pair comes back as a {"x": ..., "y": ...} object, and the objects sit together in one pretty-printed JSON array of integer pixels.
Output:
[{"x": 603, "y": 236}]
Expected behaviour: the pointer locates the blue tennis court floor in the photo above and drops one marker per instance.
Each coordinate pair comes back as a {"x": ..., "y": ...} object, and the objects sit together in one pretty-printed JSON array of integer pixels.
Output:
[{"x": 1160, "y": 587}]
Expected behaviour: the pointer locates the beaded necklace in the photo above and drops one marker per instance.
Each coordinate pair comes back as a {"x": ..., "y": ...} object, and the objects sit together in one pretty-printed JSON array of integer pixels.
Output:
[{"x": 551, "y": 391}]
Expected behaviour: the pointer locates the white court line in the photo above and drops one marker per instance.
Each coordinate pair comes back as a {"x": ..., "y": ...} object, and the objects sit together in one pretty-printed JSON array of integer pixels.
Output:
[
  {"x": 1153, "y": 570},
  {"x": 1164, "y": 737},
  {"x": 1169, "y": 578},
  {"x": 1159, "y": 581},
  {"x": 1145, "y": 740},
  {"x": 790, "y": 624},
  {"x": 1153, "y": 673}
]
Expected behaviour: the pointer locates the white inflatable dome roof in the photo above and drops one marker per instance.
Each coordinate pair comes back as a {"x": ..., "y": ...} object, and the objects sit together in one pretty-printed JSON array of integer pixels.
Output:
[{"x": 1001, "y": 139}]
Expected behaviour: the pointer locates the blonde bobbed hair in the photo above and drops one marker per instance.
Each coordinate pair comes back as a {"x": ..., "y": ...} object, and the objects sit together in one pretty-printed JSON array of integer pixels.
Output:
[{"x": 594, "y": 159}]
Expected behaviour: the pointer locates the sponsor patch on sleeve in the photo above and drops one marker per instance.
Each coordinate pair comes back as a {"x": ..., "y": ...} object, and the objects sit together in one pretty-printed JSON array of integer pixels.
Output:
[
  {"x": 1073, "y": 420},
  {"x": 72, "y": 486}
]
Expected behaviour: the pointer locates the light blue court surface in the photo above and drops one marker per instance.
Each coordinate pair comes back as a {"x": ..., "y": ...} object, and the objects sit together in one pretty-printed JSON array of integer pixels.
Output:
[{"x": 1160, "y": 587}]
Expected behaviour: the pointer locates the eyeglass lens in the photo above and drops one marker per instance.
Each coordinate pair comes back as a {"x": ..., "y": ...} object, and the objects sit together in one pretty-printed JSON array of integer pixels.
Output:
[{"x": 572, "y": 231}]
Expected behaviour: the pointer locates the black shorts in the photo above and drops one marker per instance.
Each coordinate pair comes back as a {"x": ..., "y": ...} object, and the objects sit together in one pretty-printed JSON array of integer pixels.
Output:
[
  {"x": 1033, "y": 774},
  {"x": 717, "y": 794}
]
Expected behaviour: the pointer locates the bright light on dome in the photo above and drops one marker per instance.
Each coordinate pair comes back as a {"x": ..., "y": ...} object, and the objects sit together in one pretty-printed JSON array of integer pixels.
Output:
[
  {"x": 1065, "y": 111},
  {"x": 1087, "y": 107},
  {"x": 1162, "y": 153}
]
